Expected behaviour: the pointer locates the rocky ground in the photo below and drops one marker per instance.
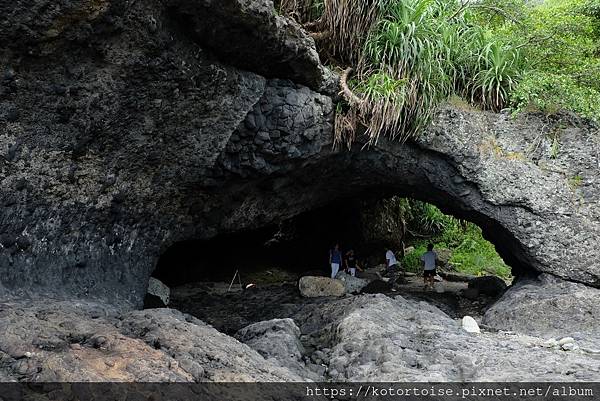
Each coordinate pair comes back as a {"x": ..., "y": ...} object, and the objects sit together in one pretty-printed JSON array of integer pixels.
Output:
[
  {"x": 53, "y": 340},
  {"x": 230, "y": 310},
  {"x": 272, "y": 333},
  {"x": 360, "y": 337}
]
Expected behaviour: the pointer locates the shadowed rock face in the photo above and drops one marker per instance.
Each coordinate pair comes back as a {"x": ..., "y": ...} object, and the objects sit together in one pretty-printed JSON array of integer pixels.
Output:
[{"x": 122, "y": 133}]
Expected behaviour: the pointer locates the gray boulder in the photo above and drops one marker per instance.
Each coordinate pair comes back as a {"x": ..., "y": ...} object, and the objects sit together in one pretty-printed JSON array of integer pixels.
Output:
[
  {"x": 313, "y": 286},
  {"x": 352, "y": 284},
  {"x": 378, "y": 338},
  {"x": 548, "y": 307},
  {"x": 488, "y": 285},
  {"x": 49, "y": 340},
  {"x": 278, "y": 340}
]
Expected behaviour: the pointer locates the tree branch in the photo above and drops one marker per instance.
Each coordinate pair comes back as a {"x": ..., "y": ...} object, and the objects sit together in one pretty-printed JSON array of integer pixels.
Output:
[
  {"x": 319, "y": 35},
  {"x": 346, "y": 91}
]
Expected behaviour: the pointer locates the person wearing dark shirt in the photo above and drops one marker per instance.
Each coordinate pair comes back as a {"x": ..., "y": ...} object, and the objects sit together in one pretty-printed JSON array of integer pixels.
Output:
[
  {"x": 335, "y": 260},
  {"x": 352, "y": 263}
]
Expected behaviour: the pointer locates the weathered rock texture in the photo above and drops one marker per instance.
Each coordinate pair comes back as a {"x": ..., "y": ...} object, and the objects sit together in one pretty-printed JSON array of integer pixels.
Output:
[
  {"x": 377, "y": 338},
  {"x": 279, "y": 340},
  {"x": 125, "y": 127},
  {"x": 49, "y": 341},
  {"x": 361, "y": 338},
  {"x": 314, "y": 286},
  {"x": 549, "y": 307}
]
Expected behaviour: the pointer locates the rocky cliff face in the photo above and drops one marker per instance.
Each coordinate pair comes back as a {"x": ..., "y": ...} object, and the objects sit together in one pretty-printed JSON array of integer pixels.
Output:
[{"x": 127, "y": 126}]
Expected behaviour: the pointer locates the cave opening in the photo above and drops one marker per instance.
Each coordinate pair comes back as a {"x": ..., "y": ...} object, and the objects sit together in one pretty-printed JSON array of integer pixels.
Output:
[
  {"x": 368, "y": 224},
  {"x": 202, "y": 273},
  {"x": 301, "y": 245}
]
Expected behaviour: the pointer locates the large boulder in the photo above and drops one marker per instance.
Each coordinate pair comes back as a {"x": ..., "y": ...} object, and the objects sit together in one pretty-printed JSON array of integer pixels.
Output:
[
  {"x": 279, "y": 340},
  {"x": 378, "y": 338},
  {"x": 79, "y": 341},
  {"x": 488, "y": 285},
  {"x": 548, "y": 306},
  {"x": 239, "y": 30},
  {"x": 352, "y": 284},
  {"x": 313, "y": 286}
]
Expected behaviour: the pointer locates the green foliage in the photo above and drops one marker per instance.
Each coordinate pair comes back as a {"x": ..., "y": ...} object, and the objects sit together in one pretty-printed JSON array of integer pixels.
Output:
[
  {"x": 435, "y": 49},
  {"x": 561, "y": 38},
  {"x": 471, "y": 253},
  {"x": 408, "y": 56},
  {"x": 412, "y": 261},
  {"x": 428, "y": 219},
  {"x": 552, "y": 92},
  {"x": 498, "y": 71},
  {"x": 575, "y": 182},
  {"x": 475, "y": 255}
]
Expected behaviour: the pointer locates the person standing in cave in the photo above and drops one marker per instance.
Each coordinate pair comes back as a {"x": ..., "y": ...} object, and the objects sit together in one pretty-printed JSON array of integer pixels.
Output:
[
  {"x": 351, "y": 263},
  {"x": 335, "y": 260},
  {"x": 429, "y": 259},
  {"x": 391, "y": 262}
]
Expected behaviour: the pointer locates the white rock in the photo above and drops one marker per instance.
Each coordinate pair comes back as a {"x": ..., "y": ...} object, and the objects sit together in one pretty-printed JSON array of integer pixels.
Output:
[
  {"x": 159, "y": 289},
  {"x": 551, "y": 343},
  {"x": 566, "y": 340},
  {"x": 470, "y": 325}
]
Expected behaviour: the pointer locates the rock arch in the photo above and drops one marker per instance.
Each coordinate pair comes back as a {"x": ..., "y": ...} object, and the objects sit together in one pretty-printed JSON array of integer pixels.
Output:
[{"x": 151, "y": 136}]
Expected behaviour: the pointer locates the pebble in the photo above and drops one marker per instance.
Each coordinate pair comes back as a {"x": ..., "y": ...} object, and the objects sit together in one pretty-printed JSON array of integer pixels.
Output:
[
  {"x": 470, "y": 325},
  {"x": 566, "y": 340}
]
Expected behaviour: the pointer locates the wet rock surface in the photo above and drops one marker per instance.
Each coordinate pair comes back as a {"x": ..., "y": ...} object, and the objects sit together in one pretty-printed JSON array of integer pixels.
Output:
[{"x": 488, "y": 285}]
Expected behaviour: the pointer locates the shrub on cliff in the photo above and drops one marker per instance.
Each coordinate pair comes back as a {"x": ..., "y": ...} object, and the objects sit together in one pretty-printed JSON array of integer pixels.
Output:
[{"x": 404, "y": 57}]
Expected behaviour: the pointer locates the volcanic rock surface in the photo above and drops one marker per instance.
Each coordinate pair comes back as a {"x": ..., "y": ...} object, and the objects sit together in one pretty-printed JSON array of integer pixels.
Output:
[{"x": 125, "y": 130}]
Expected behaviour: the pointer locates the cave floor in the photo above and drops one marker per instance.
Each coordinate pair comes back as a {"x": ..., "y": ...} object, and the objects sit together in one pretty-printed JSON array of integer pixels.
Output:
[{"x": 229, "y": 311}]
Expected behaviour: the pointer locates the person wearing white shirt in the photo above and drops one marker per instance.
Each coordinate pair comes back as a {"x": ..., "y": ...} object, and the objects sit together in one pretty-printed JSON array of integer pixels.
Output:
[
  {"x": 429, "y": 259},
  {"x": 391, "y": 261}
]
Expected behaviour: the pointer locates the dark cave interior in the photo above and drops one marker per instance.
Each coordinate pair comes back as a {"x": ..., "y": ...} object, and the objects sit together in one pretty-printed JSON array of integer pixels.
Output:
[{"x": 299, "y": 246}]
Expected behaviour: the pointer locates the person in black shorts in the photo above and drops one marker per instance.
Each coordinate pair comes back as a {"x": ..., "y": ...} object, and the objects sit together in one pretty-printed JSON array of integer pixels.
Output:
[{"x": 429, "y": 259}]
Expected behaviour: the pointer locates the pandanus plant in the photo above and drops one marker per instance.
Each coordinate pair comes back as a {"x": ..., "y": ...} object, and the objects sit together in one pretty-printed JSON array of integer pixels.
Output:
[{"x": 405, "y": 57}]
